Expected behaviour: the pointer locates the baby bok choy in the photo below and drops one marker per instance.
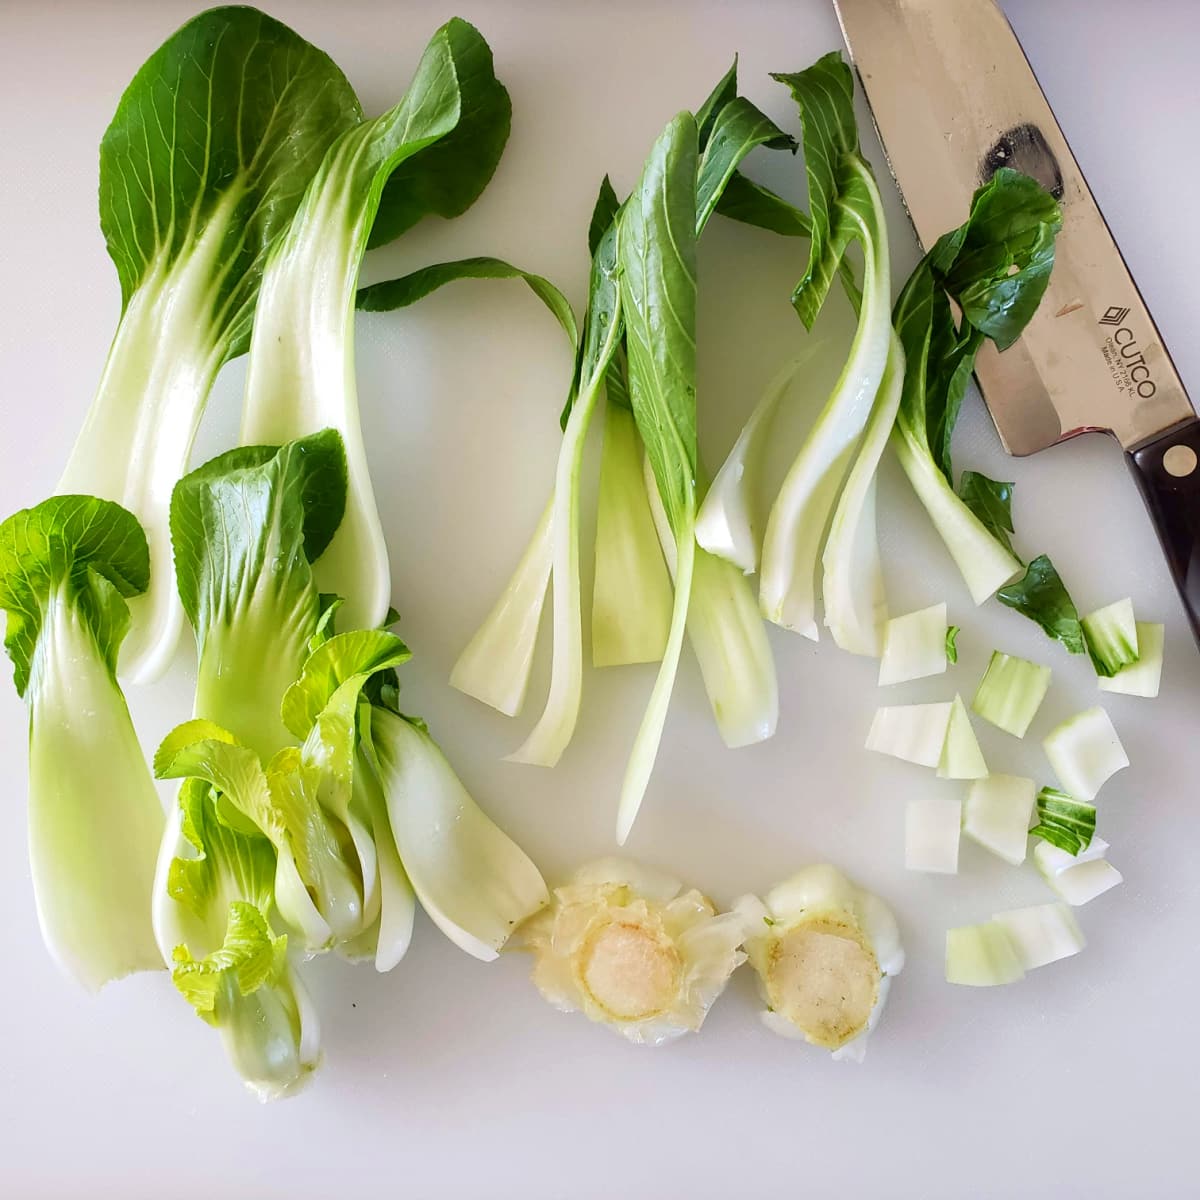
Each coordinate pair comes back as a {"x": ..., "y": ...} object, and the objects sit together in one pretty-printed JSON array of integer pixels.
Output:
[
  {"x": 67, "y": 569},
  {"x": 206, "y": 159},
  {"x": 433, "y": 153}
]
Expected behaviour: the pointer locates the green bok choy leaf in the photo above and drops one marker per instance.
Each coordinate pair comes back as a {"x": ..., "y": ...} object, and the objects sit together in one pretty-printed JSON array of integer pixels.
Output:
[{"x": 209, "y": 153}]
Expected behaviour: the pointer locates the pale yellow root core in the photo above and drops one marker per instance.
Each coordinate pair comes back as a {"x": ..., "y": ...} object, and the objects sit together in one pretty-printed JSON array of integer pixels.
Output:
[
  {"x": 824, "y": 979},
  {"x": 629, "y": 971}
]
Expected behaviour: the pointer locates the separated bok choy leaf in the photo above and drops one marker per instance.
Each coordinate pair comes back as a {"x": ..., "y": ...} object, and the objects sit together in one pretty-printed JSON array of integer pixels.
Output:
[
  {"x": 433, "y": 153},
  {"x": 209, "y": 153},
  {"x": 67, "y": 568},
  {"x": 994, "y": 268},
  {"x": 844, "y": 207}
]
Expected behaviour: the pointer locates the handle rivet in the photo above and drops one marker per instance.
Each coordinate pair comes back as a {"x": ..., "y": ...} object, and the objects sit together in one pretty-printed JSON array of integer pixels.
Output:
[{"x": 1179, "y": 461}]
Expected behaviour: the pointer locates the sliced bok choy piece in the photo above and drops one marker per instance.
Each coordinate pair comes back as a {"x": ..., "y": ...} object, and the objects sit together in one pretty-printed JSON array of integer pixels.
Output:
[
  {"x": 1144, "y": 677},
  {"x": 728, "y": 637},
  {"x": 997, "y": 814},
  {"x": 825, "y": 952},
  {"x": 1041, "y": 595},
  {"x": 915, "y": 646},
  {"x": 1042, "y": 933},
  {"x": 1011, "y": 692},
  {"x": 213, "y": 900},
  {"x": 961, "y": 755},
  {"x": 1085, "y": 752},
  {"x": 1111, "y": 637},
  {"x": 844, "y": 206},
  {"x": 632, "y": 949},
  {"x": 656, "y": 234},
  {"x": 476, "y": 883},
  {"x": 494, "y": 666},
  {"x": 853, "y": 588},
  {"x": 204, "y": 163},
  {"x": 631, "y": 595},
  {"x": 729, "y": 523},
  {"x": 1077, "y": 878},
  {"x": 1064, "y": 821},
  {"x": 66, "y": 570},
  {"x": 932, "y": 826},
  {"x": 433, "y": 153},
  {"x": 952, "y": 643},
  {"x": 913, "y": 732},
  {"x": 995, "y": 268},
  {"x": 982, "y": 956}
]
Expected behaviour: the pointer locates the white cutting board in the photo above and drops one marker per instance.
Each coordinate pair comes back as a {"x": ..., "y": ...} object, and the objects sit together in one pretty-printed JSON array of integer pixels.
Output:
[{"x": 451, "y": 1078}]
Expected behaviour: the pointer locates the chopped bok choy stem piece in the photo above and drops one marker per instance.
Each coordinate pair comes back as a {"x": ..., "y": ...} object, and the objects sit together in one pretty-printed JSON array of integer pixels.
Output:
[
  {"x": 982, "y": 956},
  {"x": 1080, "y": 878},
  {"x": 66, "y": 569},
  {"x": 914, "y": 646},
  {"x": 1064, "y": 821},
  {"x": 995, "y": 267},
  {"x": 1143, "y": 677},
  {"x": 825, "y": 952},
  {"x": 845, "y": 206},
  {"x": 1011, "y": 692},
  {"x": 1112, "y": 637},
  {"x": 1085, "y": 752},
  {"x": 201, "y": 169},
  {"x": 728, "y": 637},
  {"x": 952, "y": 643},
  {"x": 1042, "y": 934},
  {"x": 961, "y": 755},
  {"x": 931, "y": 834},
  {"x": 495, "y": 664},
  {"x": 630, "y": 948},
  {"x": 913, "y": 732},
  {"x": 997, "y": 814},
  {"x": 855, "y": 599},
  {"x": 729, "y": 524},
  {"x": 631, "y": 595},
  {"x": 433, "y": 153}
]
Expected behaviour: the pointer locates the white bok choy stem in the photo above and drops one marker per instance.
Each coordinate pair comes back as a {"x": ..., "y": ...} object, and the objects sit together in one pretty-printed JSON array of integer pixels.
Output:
[
  {"x": 800, "y": 515},
  {"x": 729, "y": 524},
  {"x": 729, "y": 639},
  {"x": 475, "y": 882},
  {"x": 203, "y": 165},
  {"x": 434, "y": 152},
  {"x": 854, "y": 594}
]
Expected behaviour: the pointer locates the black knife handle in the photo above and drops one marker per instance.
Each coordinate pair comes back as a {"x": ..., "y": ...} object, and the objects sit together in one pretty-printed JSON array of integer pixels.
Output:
[{"x": 1168, "y": 472}]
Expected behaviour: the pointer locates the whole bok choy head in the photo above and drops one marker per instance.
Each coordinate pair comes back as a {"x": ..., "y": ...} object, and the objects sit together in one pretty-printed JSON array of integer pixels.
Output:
[
  {"x": 67, "y": 568},
  {"x": 433, "y": 153},
  {"x": 207, "y": 158}
]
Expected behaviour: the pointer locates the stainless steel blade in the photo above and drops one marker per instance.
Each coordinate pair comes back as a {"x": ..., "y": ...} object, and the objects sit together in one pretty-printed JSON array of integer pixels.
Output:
[{"x": 954, "y": 99}]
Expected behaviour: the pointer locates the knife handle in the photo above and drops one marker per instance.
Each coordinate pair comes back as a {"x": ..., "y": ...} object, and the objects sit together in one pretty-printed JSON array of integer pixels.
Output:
[{"x": 1167, "y": 471}]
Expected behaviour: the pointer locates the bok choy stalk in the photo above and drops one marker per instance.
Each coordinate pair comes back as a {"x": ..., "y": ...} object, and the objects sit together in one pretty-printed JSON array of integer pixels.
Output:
[
  {"x": 495, "y": 665},
  {"x": 67, "y": 568},
  {"x": 201, "y": 169},
  {"x": 433, "y": 153},
  {"x": 994, "y": 268},
  {"x": 844, "y": 206},
  {"x": 212, "y": 917}
]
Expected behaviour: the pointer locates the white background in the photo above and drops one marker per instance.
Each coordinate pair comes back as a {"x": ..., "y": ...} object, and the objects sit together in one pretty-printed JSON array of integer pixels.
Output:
[{"x": 450, "y": 1078}]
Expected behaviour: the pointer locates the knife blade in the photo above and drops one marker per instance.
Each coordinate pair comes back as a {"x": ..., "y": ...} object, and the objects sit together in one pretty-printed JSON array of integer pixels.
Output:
[{"x": 953, "y": 98}]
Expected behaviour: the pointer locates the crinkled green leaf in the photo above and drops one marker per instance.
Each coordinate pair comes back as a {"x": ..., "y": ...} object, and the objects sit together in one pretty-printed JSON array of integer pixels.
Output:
[
  {"x": 1040, "y": 595},
  {"x": 991, "y": 501}
]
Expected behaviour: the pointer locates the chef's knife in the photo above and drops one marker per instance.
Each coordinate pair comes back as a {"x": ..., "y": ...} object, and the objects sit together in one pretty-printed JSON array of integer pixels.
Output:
[{"x": 954, "y": 99}]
